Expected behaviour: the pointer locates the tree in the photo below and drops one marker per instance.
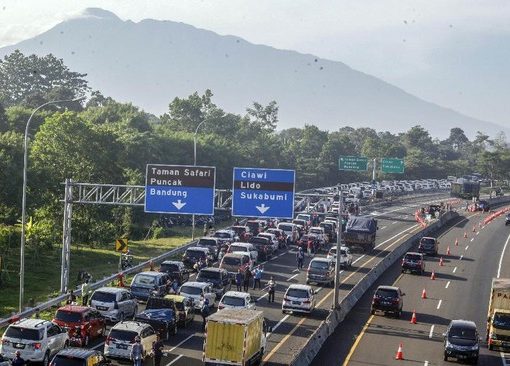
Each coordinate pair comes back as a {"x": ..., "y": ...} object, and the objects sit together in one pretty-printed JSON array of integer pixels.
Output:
[
  {"x": 265, "y": 117},
  {"x": 34, "y": 80},
  {"x": 457, "y": 138}
]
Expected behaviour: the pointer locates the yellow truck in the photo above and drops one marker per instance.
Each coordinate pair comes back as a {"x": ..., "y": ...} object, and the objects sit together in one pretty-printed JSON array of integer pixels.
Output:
[
  {"x": 498, "y": 320},
  {"x": 235, "y": 337}
]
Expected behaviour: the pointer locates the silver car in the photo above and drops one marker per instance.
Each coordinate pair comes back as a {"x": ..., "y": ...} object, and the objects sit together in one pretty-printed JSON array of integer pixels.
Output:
[{"x": 114, "y": 303}]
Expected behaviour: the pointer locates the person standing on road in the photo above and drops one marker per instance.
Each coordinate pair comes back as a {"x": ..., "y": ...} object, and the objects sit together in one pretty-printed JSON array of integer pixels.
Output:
[
  {"x": 157, "y": 350},
  {"x": 71, "y": 300},
  {"x": 257, "y": 276},
  {"x": 137, "y": 352},
  {"x": 271, "y": 288},
  {"x": 239, "y": 280},
  {"x": 85, "y": 292},
  {"x": 247, "y": 277},
  {"x": 204, "y": 311},
  {"x": 300, "y": 256},
  {"x": 309, "y": 247},
  {"x": 18, "y": 361}
]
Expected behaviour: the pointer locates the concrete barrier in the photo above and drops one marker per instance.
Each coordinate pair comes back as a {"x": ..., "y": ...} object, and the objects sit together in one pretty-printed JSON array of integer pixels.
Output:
[{"x": 335, "y": 317}]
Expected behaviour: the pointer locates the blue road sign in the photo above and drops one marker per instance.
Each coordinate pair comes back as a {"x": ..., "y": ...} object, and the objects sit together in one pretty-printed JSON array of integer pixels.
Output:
[
  {"x": 261, "y": 192},
  {"x": 180, "y": 189}
]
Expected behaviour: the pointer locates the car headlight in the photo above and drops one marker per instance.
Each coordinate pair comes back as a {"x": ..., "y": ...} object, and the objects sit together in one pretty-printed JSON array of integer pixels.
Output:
[
  {"x": 474, "y": 348},
  {"x": 449, "y": 345}
]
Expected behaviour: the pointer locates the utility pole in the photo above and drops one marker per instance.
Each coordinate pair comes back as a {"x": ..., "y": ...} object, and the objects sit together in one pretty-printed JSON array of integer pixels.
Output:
[{"x": 336, "y": 291}]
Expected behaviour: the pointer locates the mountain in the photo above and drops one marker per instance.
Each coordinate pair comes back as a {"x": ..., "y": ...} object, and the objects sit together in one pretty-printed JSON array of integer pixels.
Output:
[{"x": 151, "y": 62}]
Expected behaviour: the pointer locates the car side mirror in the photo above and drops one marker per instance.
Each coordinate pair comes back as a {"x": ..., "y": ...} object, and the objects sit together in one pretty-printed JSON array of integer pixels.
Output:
[
  {"x": 402, "y": 294},
  {"x": 444, "y": 335}
]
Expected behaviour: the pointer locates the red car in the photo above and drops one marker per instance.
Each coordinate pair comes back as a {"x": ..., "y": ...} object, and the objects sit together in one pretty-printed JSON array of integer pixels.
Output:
[{"x": 83, "y": 323}]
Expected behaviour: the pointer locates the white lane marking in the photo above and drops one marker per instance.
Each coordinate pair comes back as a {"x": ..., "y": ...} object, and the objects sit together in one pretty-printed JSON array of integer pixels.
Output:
[
  {"x": 467, "y": 247},
  {"x": 98, "y": 345},
  {"x": 431, "y": 333},
  {"x": 174, "y": 360},
  {"x": 260, "y": 298},
  {"x": 282, "y": 254},
  {"x": 455, "y": 270},
  {"x": 278, "y": 324},
  {"x": 394, "y": 222},
  {"x": 502, "y": 255},
  {"x": 447, "y": 284},
  {"x": 477, "y": 232},
  {"x": 390, "y": 239},
  {"x": 296, "y": 270},
  {"x": 426, "y": 363},
  {"x": 384, "y": 227},
  {"x": 290, "y": 278},
  {"x": 318, "y": 289},
  {"x": 462, "y": 256},
  {"x": 180, "y": 344},
  {"x": 439, "y": 304}
]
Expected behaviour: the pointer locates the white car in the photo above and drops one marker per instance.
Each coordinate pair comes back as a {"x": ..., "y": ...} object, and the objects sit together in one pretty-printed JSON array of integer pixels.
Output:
[
  {"x": 121, "y": 338},
  {"x": 226, "y": 236},
  {"x": 299, "y": 298},
  {"x": 244, "y": 247},
  {"x": 272, "y": 238},
  {"x": 114, "y": 303},
  {"x": 290, "y": 230},
  {"x": 198, "y": 291},
  {"x": 37, "y": 340},
  {"x": 236, "y": 300},
  {"x": 320, "y": 233},
  {"x": 345, "y": 256}
]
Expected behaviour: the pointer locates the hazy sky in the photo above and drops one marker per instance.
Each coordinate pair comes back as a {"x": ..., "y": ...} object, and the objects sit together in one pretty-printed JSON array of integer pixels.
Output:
[{"x": 452, "y": 52}]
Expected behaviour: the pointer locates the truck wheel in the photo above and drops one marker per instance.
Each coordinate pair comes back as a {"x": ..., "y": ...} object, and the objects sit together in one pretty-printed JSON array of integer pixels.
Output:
[
  {"x": 445, "y": 357},
  {"x": 491, "y": 347}
]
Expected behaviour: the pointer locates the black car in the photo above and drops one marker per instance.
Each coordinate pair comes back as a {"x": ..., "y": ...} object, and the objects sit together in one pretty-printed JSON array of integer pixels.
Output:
[
  {"x": 162, "y": 320},
  {"x": 507, "y": 219},
  {"x": 219, "y": 278},
  {"x": 428, "y": 245},
  {"x": 388, "y": 299},
  {"x": 212, "y": 244},
  {"x": 78, "y": 357},
  {"x": 484, "y": 206},
  {"x": 264, "y": 247},
  {"x": 462, "y": 341},
  {"x": 413, "y": 262},
  {"x": 176, "y": 270},
  {"x": 243, "y": 232}
]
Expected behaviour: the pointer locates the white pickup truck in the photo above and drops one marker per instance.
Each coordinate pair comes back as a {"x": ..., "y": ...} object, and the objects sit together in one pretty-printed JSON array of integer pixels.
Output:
[{"x": 345, "y": 256}]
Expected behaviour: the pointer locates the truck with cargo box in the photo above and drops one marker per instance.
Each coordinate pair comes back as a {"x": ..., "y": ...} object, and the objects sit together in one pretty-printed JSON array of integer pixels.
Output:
[
  {"x": 498, "y": 319},
  {"x": 360, "y": 231}
]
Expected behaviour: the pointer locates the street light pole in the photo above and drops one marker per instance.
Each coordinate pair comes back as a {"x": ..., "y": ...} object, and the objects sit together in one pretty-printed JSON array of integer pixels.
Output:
[
  {"x": 24, "y": 200},
  {"x": 336, "y": 290},
  {"x": 194, "y": 164}
]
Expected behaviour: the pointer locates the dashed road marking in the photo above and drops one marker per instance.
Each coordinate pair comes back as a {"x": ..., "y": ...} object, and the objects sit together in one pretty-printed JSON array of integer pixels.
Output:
[
  {"x": 279, "y": 323},
  {"x": 462, "y": 256},
  {"x": 439, "y": 304},
  {"x": 472, "y": 239},
  {"x": 181, "y": 343},
  {"x": 447, "y": 284},
  {"x": 455, "y": 270},
  {"x": 290, "y": 278},
  {"x": 174, "y": 360},
  {"x": 431, "y": 333},
  {"x": 384, "y": 227}
]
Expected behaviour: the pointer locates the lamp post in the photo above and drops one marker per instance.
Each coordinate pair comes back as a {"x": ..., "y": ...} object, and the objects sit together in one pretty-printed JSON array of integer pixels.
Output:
[
  {"x": 24, "y": 199},
  {"x": 195, "y": 163}
]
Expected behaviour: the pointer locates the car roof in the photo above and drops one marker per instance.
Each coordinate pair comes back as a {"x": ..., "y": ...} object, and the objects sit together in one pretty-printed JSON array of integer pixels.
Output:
[
  {"x": 178, "y": 263},
  {"x": 235, "y": 255},
  {"x": 195, "y": 284},
  {"x": 212, "y": 269},
  {"x": 463, "y": 323},
  {"x": 202, "y": 249},
  {"x": 429, "y": 237},
  {"x": 243, "y": 295},
  {"x": 414, "y": 253},
  {"x": 113, "y": 290},
  {"x": 152, "y": 273},
  {"x": 130, "y": 325},
  {"x": 175, "y": 298},
  {"x": 31, "y": 323},
  {"x": 298, "y": 286},
  {"x": 78, "y": 352},
  {"x": 321, "y": 259},
  {"x": 390, "y": 288},
  {"x": 242, "y": 244},
  {"x": 74, "y": 308}
]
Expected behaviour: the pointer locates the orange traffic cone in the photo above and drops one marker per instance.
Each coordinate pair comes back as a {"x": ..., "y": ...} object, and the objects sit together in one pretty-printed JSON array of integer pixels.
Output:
[
  {"x": 433, "y": 275},
  {"x": 441, "y": 261},
  {"x": 448, "y": 250},
  {"x": 400, "y": 353},
  {"x": 465, "y": 234},
  {"x": 413, "y": 318},
  {"x": 456, "y": 242},
  {"x": 424, "y": 294}
]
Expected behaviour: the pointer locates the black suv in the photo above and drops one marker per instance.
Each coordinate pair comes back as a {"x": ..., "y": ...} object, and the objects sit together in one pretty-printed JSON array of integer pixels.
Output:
[
  {"x": 388, "y": 299},
  {"x": 263, "y": 246},
  {"x": 507, "y": 219},
  {"x": 218, "y": 278},
  {"x": 413, "y": 262},
  {"x": 428, "y": 245},
  {"x": 176, "y": 270},
  {"x": 462, "y": 341}
]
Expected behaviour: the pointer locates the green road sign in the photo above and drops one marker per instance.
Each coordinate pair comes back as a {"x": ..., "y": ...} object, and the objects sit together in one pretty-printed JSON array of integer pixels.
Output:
[
  {"x": 389, "y": 165},
  {"x": 352, "y": 163}
]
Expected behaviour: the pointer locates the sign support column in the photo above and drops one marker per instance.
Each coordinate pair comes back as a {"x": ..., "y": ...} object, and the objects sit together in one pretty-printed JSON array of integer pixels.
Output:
[{"x": 336, "y": 292}]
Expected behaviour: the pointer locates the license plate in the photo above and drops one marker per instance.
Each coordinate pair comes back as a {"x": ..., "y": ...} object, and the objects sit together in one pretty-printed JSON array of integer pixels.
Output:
[
  {"x": 101, "y": 308},
  {"x": 296, "y": 302},
  {"x": 19, "y": 345},
  {"x": 461, "y": 356},
  {"x": 122, "y": 346},
  {"x": 361, "y": 236},
  {"x": 385, "y": 303}
]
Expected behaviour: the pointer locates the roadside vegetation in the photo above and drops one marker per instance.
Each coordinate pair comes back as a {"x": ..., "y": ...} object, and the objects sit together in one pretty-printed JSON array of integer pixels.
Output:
[{"x": 105, "y": 141}]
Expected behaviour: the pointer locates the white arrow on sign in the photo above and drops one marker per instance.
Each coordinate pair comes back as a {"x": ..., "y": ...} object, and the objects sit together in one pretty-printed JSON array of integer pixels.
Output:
[
  {"x": 178, "y": 205},
  {"x": 262, "y": 208}
]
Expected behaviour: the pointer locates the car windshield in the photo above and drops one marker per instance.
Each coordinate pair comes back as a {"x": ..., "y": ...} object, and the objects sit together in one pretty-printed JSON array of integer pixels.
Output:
[
  {"x": 208, "y": 275},
  {"x": 144, "y": 280},
  {"x": 285, "y": 227},
  {"x": 386, "y": 293},
  {"x": 413, "y": 257},
  {"x": 123, "y": 335},
  {"x": 501, "y": 321},
  {"x": 239, "y": 229},
  {"x": 233, "y": 301},
  {"x": 194, "y": 253},
  {"x": 427, "y": 242},
  {"x": 169, "y": 267},
  {"x": 342, "y": 252},
  {"x": 191, "y": 290},
  {"x": 332, "y": 251},
  {"x": 207, "y": 243},
  {"x": 462, "y": 333},
  {"x": 300, "y": 293},
  {"x": 103, "y": 296},
  {"x": 222, "y": 235},
  {"x": 231, "y": 261},
  {"x": 24, "y": 333},
  {"x": 62, "y": 360},
  {"x": 238, "y": 248},
  {"x": 319, "y": 265},
  {"x": 316, "y": 231},
  {"x": 68, "y": 316}
]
